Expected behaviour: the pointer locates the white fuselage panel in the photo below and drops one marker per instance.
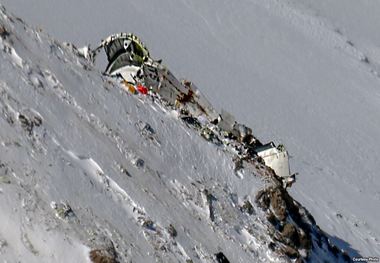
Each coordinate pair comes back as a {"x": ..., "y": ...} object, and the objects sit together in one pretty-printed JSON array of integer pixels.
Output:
[{"x": 277, "y": 160}]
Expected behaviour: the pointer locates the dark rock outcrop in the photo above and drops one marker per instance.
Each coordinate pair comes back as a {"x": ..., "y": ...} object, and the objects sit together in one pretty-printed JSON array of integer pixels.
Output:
[{"x": 292, "y": 227}]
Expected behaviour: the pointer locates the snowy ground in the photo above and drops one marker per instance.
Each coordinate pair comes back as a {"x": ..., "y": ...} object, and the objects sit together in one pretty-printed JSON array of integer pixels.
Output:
[
  {"x": 88, "y": 170},
  {"x": 299, "y": 72},
  {"x": 75, "y": 148}
]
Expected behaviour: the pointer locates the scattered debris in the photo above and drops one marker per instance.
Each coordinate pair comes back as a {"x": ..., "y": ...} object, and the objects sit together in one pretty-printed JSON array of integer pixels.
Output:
[
  {"x": 172, "y": 231},
  {"x": 147, "y": 132},
  {"x": 4, "y": 179},
  {"x": 4, "y": 174},
  {"x": 63, "y": 211},
  {"x": 125, "y": 171},
  {"x": 25, "y": 123},
  {"x": 247, "y": 208},
  {"x": 148, "y": 223},
  {"x": 210, "y": 136},
  {"x": 280, "y": 208},
  {"x": 221, "y": 258},
  {"x": 85, "y": 52},
  {"x": 145, "y": 128},
  {"x": 365, "y": 59},
  {"x": 210, "y": 199},
  {"x": 238, "y": 163},
  {"x": 272, "y": 246},
  {"x": 191, "y": 121},
  {"x": 129, "y": 62},
  {"x": 138, "y": 162}
]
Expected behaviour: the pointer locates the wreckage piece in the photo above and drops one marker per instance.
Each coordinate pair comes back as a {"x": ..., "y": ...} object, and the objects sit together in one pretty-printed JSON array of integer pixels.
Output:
[
  {"x": 129, "y": 59},
  {"x": 236, "y": 130},
  {"x": 203, "y": 103},
  {"x": 277, "y": 158},
  {"x": 195, "y": 102},
  {"x": 126, "y": 46},
  {"x": 169, "y": 87},
  {"x": 125, "y": 53},
  {"x": 227, "y": 121}
]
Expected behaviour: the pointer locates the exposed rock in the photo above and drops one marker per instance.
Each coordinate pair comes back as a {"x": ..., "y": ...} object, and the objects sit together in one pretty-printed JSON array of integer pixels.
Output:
[
  {"x": 278, "y": 204},
  {"x": 292, "y": 225},
  {"x": 290, "y": 252},
  {"x": 334, "y": 250},
  {"x": 281, "y": 209},
  {"x": 28, "y": 123},
  {"x": 289, "y": 232},
  {"x": 346, "y": 257},
  {"x": 272, "y": 219},
  {"x": 103, "y": 256},
  {"x": 304, "y": 240},
  {"x": 262, "y": 199},
  {"x": 3, "y": 32}
]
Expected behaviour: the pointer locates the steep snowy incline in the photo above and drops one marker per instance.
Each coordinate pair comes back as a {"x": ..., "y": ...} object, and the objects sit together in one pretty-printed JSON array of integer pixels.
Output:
[
  {"x": 358, "y": 20},
  {"x": 304, "y": 73},
  {"x": 89, "y": 172}
]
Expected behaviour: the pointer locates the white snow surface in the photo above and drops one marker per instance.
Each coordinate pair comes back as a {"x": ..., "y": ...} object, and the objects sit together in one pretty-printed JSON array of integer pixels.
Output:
[
  {"x": 77, "y": 172},
  {"x": 303, "y": 73}
]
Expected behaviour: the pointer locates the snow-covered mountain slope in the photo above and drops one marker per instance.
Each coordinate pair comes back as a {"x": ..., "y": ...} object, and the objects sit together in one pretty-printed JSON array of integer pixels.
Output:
[
  {"x": 304, "y": 73},
  {"x": 89, "y": 172}
]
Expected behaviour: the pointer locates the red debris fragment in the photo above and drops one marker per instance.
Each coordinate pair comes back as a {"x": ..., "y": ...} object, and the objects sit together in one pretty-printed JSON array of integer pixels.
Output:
[{"x": 142, "y": 89}]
